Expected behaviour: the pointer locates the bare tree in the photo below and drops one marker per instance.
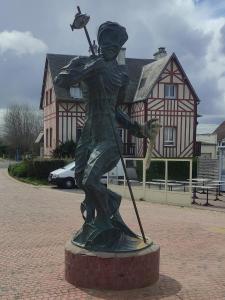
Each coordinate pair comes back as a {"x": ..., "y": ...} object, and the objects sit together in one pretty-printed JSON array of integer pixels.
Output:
[{"x": 21, "y": 126}]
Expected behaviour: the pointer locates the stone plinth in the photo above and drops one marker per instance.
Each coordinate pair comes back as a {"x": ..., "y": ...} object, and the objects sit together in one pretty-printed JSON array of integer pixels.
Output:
[{"x": 115, "y": 271}]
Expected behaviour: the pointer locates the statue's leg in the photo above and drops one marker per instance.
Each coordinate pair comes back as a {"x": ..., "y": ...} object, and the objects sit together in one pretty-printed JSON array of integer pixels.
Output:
[
  {"x": 102, "y": 159},
  {"x": 87, "y": 206}
]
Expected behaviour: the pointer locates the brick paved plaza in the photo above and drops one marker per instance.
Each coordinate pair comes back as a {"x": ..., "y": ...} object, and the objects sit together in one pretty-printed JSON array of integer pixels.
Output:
[{"x": 36, "y": 222}]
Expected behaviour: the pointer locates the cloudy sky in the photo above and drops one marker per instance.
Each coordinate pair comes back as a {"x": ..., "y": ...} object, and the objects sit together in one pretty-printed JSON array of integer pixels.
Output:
[{"x": 193, "y": 29}]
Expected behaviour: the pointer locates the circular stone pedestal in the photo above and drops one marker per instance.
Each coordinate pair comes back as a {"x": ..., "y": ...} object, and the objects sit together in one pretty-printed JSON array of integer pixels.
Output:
[{"x": 115, "y": 271}]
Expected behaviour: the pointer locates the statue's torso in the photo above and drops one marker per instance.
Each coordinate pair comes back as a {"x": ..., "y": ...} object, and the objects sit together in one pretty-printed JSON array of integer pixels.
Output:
[{"x": 102, "y": 98}]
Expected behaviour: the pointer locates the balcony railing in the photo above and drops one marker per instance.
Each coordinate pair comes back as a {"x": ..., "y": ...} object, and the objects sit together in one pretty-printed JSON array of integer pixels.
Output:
[{"x": 129, "y": 149}]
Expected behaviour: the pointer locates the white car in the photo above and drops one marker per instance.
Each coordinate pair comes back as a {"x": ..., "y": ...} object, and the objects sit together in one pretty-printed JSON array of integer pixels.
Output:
[{"x": 64, "y": 177}]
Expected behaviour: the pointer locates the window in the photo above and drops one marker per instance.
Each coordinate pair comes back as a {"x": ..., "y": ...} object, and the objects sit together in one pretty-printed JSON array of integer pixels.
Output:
[
  {"x": 121, "y": 134},
  {"x": 76, "y": 92},
  {"x": 50, "y": 137},
  {"x": 170, "y": 91},
  {"x": 46, "y": 98},
  {"x": 46, "y": 138},
  {"x": 170, "y": 136},
  {"x": 142, "y": 83},
  {"x": 50, "y": 96},
  {"x": 78, "y": 134}
]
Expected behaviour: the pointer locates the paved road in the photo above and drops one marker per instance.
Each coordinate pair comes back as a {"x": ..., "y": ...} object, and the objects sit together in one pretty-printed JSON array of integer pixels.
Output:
[
  {"x": 35, "y": 223},
  {"x": 5, "y": 163}
]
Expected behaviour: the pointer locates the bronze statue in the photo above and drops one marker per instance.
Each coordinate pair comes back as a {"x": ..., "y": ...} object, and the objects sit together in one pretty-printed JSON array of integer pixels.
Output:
[{"x": 97, "y": 151}]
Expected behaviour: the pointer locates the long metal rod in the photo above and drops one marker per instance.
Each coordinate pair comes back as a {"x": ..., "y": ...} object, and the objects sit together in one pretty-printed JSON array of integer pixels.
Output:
[
  {"x": 87, "y": 34},
  {"x": 117, "y": 142}
]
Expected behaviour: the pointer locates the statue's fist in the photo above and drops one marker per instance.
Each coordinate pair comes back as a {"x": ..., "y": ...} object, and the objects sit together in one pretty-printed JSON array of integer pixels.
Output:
[
  {"x": 96, "y": 63},
  {"x": 76, "y": 63},
  {"x": 150, "y": 129}
]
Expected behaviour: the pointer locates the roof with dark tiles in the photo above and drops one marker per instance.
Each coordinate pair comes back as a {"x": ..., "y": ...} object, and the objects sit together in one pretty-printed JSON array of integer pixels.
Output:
[
  {"x": 57, "y": 61},
  {"x": 220, "y": 131}
]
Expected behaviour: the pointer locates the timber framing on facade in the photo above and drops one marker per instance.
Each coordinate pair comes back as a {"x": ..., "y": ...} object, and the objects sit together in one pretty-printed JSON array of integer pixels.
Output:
[{"x": 158, "y": 88}]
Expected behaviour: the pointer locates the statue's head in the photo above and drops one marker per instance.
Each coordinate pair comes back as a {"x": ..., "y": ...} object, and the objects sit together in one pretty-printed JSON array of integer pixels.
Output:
[{"x": 111, "y": 37}]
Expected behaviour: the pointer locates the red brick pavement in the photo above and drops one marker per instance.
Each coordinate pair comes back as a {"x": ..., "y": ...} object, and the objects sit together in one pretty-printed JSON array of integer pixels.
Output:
[{"x": 36, "y": 222}]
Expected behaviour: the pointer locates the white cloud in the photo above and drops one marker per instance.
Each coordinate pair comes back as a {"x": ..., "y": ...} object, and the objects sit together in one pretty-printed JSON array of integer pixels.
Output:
[
  {"x": 198, "y": 33},
  {"x": 20, "y": 43}
]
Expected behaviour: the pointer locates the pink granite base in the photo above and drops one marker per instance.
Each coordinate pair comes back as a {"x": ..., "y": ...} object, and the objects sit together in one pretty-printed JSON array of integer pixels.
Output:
[{"x": 114, "y": 271}]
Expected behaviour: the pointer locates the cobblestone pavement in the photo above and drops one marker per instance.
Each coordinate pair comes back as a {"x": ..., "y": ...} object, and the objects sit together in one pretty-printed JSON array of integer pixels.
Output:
[{"x": 36, "y": 222}]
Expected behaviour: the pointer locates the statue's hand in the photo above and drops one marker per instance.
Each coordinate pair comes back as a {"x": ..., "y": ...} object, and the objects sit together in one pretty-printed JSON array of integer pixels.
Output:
[
  {"x": 76, "y": 62},
  {"x": 96, "y": 63},
  {"x": 78, "y": 69},
  {"x": 70, "y": 72},
  {"x": 150, "y": 129}
]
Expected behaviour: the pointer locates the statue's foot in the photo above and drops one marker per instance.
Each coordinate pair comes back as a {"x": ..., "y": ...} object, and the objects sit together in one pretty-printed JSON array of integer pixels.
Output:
[
  {"x": 104, "y": 234},
  {"x": 108, "y": 234},
  {"x": 118, "y": 222},
  {"x": 98, "y": 235},
  {"x": 103, "y": 222}
]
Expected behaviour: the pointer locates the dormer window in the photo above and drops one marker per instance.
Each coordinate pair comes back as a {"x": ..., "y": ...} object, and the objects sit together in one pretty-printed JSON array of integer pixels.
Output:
[
  {"x": 50, "y": 96},
  {"x": 142, "y": 83},
  {"x": 46, "y": 98},
  {"x": 170, "y": 91},
  {"x": 76, "y": 92}
]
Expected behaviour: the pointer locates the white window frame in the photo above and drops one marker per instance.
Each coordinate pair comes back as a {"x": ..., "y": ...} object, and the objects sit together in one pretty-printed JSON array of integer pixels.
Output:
[
  {"x": 76, "y": 92},
  {"x": 170, "y": 91},
  {"x": 170, "y": 134}
]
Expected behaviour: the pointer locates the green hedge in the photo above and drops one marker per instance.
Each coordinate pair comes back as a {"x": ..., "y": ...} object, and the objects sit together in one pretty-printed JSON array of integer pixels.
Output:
[
  {"x": 177, "y": 170},
  {"x": 18, "y": 170},
  {"x": 39, "y": 169}
]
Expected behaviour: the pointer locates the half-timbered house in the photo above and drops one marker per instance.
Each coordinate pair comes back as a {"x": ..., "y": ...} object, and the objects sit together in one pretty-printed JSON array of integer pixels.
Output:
[
  {"x": 158, "y": 88},
  {"x": 165, "y": 93}
]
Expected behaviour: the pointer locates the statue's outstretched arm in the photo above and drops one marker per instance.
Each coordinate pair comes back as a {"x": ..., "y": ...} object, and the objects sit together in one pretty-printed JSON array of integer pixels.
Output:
[
  {"x": 125, "y": 122},
  {"x": 149, "y": 129}
]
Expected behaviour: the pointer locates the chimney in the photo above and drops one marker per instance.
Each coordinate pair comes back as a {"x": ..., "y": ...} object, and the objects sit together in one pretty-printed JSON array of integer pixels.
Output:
[
  {"x": 121, "y": 58},
  {"x": 160, "y": 53}
]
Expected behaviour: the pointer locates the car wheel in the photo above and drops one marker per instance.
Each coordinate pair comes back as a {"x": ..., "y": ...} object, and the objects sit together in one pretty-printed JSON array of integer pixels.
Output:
[{"x": 69, "y": 183}]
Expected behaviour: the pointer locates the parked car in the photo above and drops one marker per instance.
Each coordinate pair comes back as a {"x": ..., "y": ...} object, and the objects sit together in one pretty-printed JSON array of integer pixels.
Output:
[{"x": 64, "y": 177}]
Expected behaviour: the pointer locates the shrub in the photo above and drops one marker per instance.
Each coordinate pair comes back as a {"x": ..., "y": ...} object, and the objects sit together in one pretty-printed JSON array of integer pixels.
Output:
[
  {"x": 39, "y": 169},
  {"x": 18, "y": 170}
]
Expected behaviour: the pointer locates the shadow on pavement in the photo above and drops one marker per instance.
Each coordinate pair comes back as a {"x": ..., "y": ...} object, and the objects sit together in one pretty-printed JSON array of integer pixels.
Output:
[{"x": 165, "y": 287}]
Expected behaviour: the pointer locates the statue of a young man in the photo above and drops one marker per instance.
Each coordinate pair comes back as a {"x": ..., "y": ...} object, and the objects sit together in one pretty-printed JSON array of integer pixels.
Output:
[{"x": 97, "y": 151}]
